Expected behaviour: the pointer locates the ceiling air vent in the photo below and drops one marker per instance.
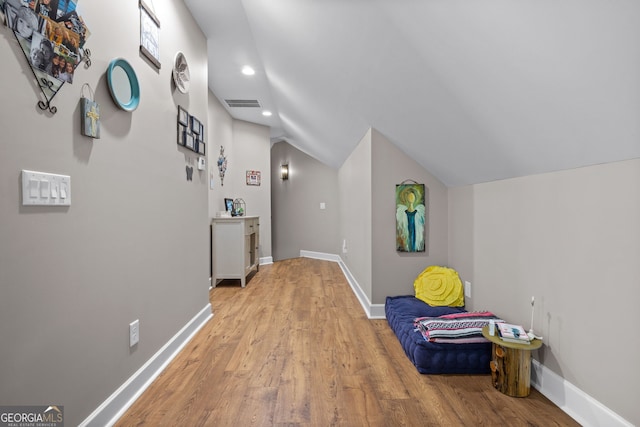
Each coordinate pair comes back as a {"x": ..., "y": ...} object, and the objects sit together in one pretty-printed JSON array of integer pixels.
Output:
[{"x": 244, "y": 103}]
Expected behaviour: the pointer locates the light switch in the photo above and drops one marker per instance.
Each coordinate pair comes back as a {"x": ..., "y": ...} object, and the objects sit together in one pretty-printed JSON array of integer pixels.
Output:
[
  {"x": 33, "y": 188},
  {"x": 45, "y": 189}
]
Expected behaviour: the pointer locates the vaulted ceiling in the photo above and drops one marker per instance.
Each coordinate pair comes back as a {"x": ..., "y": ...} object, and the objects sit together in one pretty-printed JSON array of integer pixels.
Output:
[{"x": 474, "y": 90}]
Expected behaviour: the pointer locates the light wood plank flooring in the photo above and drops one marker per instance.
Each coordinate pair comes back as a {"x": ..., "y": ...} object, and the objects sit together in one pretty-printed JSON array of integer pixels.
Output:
[{"x": 294, "y": 348}]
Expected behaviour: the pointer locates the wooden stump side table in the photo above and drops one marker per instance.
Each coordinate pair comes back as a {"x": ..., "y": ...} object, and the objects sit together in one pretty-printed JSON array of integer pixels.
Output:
[{"x": 511, "y": 364}]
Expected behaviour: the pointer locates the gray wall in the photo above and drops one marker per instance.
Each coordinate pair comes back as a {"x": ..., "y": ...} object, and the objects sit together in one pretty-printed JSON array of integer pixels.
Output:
[
  {"x": 251, "y": 146},
  {"x": 367, "y": 218},
  {"x": 133, "y": 245},
  {"x": 298, "y": 221},
  {"x": 355, "y": 192},
  {"x": 394, "y": 272},
  {"x": 220, "y": 133},
  {"x": 572, "y": 240},
  {"x": 246, "y": 147}
]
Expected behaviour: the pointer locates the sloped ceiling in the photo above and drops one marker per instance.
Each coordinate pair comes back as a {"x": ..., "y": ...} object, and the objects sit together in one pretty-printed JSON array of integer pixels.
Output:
[{"x": 474, "y": 90}]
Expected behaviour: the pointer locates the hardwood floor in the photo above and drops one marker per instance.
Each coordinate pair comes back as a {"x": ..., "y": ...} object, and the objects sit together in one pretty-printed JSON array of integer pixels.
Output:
[{"x": 294, "y": 348}]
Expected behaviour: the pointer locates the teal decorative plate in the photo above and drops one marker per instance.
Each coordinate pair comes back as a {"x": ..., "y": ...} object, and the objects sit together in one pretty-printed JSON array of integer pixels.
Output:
[{"x": 123, "y": 84}]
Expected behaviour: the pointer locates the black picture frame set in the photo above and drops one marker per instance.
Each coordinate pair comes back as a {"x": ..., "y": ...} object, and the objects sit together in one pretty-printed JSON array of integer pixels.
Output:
[{"x": 190, "y": 132}]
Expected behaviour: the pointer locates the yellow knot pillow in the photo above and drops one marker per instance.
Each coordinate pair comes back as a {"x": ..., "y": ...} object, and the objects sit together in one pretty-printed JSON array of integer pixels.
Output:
[{"x": 439, "y": 286}]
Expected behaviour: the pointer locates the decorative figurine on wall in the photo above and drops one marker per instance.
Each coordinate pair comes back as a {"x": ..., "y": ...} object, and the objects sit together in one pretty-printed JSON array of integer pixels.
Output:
[{"x": 222, "y": 165}]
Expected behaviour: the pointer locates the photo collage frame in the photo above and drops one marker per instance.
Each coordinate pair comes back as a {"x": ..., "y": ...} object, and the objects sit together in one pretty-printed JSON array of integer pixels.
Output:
[
  {"x": 51, "y": 34},
  {"x": 191, "y": 132}
]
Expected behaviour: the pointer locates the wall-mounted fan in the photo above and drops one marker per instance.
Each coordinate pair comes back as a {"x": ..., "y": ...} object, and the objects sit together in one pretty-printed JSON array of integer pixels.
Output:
[{"x": 181, "y": 75}]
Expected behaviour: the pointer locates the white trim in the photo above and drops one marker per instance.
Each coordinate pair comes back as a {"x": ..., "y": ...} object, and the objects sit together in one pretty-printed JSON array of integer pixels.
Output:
[
  {"x": 266, "y": 260},
  {"x": 108, "y": 413},
  {"x": 373, "y": 311},
  {"x": 320, "y": 255},
  {"x": 576, "y": 403},
  {"x": 377, "y": 312},
  {"x": 357, "y": 289}
]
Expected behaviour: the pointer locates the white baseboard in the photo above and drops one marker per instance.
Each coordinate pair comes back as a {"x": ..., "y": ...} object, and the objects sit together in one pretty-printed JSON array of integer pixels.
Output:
[
  {"x": 320, "y": 255},
  {"x": 576, "y": 403},
  {"x": 108, "y": 413},
  {"x": 373, "y": 311},
  {"x": 266, "y": 260},
  {"x": 377, "y": 312}
]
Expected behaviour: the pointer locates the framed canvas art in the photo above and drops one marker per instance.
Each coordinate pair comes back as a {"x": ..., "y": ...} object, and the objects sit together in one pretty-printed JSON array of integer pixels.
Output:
[
  {"x": 410, "y": 218},
  {"x": 253, "y": 177},
  {"x": 149, "y": 34}
]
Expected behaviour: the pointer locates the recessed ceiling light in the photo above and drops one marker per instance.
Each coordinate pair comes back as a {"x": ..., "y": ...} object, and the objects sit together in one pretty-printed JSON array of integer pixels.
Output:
[
  {"x": 248, "y": 71},
  {"x": 266, "y": 113}
]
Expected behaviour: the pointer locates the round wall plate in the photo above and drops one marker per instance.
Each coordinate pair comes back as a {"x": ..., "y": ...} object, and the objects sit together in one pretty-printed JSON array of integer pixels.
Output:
[
  {"x": 181, "y": 75},
  {"x": 123, "y": 84}
]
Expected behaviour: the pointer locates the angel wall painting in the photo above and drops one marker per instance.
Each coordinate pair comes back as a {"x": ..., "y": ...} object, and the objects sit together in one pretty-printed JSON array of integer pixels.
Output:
[{"x": 410, "y": 218}]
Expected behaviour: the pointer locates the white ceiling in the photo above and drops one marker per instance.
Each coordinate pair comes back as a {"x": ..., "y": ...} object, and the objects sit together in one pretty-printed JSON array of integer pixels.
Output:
[{"x": 474, "y": 90}]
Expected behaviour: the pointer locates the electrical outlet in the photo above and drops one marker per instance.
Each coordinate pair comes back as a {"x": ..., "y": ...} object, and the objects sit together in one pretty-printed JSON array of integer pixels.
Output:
[
  {"x": 467, "y": 289},
  {"x": 134, "y": 332}
]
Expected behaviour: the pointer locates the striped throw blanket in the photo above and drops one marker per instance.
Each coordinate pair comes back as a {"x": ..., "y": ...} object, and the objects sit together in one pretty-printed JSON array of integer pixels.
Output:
[{"x": 455, "y": 328}]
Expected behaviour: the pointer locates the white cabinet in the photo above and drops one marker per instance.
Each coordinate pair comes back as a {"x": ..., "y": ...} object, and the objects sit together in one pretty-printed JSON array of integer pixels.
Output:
[{"x": 234, "y": 248}]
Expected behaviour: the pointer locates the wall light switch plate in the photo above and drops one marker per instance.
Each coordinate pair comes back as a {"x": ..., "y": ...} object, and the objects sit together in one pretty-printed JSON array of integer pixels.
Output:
[
  {"x": 467, "y": 289},
  {"x": 45, "y": 189},
  {"x": 134, "y": 332}
]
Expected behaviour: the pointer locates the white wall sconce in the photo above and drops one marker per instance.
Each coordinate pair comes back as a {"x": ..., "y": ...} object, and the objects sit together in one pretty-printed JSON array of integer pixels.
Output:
[{"x": 284, "y": 172}]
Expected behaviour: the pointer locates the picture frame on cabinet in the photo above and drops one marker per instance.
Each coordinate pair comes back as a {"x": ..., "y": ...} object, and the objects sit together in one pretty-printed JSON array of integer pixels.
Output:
[
  {"x": 202, "y": 148},
  {"x": 228, "y": 205}
]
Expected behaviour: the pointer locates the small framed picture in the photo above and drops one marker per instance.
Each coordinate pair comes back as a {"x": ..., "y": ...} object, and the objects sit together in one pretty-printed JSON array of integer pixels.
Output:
[
  {"x": 149, "y": 34},
  {"x": 195, "y": 125},
  {"x": 196, "y": 142},
  {"x": 228, "y": 205},
  {"x": 182, "y": 130},
  {"x": 253, "y": 177},
  {"x": 189, "y": 141},
  {"x": 202, "y": 148},
  {"x": 201, "y": 132},
  {"x": 183, "y": 116}
]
